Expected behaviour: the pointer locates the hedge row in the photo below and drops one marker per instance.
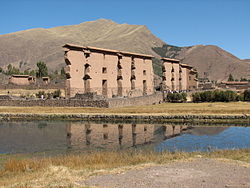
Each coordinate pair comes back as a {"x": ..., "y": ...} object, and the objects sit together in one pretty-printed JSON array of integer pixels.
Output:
[
  {"x": 176, "y": 97},
  {"x": 220, "y": 96}
]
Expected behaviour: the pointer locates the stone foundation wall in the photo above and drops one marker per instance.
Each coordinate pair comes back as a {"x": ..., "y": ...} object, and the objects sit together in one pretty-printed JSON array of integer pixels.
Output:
[
  {"x": 56, "y": 103},
  {"x": 222, "y": 120},
  {"x": 136, "y": 101},
  {"x": 101, "y": 103}
]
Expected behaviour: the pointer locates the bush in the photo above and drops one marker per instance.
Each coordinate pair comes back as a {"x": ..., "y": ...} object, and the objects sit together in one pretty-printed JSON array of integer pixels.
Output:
[
  {"x": 240, "y": 97},
  {"x": 246, "y": 95},
  {"x": 40, "y": 93},
  {"x": 56, "y": 93},
  {"x": 49, "y": 95},
  {"x": 176, "y": 97},
  {"x": 216, "y": 96}
]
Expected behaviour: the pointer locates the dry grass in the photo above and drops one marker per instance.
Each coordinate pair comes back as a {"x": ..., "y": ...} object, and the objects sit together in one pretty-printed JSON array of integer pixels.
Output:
[
  {"x": 166, "y": 108},
  {"x": 95, "y": 160},
  {"x": 240, "y": 155},
  {"x": 66, "y": 170}
]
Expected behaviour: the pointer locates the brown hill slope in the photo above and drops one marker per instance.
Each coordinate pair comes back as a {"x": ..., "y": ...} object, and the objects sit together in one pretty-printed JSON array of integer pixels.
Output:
[
  {"x": 217, "y": 62},
  {"x": 46, "y": 44},
  {"x": 33, "y": 45}
]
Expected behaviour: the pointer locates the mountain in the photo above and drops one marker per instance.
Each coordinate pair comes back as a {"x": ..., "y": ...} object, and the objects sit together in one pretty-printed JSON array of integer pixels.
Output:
[
  {"x": 246, "y": 60},
  {"x": 32, "y": 45},
  {"x": 24, "y": 48},
  {"x": 212, "y": 60}
]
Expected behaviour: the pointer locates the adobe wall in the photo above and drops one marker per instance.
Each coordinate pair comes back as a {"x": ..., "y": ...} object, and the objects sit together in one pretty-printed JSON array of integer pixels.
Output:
[
  {"x": 118, "y": 72},
  {"x": 75, "y": 70},
  {"x": 178, "y": 77},
  {"x": 176, "y": 67},
  {"x": 126, "y": 75},
  {"x": 148, "y": 67},
  {"x": 98, "y": 62},
  {"x": 167, "y": 74},
  {"x": 184, "y": 79},
  {"x": 19, "y": 80},
  {"x": 171, "y": 75},
  {"x": 192, "y": 83}
]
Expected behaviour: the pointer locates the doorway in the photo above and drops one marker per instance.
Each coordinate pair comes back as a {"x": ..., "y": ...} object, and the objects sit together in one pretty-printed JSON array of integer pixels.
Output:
[{"x": 104, "y": 88}]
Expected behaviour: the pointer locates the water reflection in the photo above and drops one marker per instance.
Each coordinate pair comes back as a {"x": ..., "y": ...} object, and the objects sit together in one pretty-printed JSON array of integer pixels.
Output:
[
  {"x": 39, "y": 136},
  {"x": 36, "y": 136},
  {"x": 115, "y": 136},
  {"x": 208, "y": 139},
  {"x": 200, "y": 131}
]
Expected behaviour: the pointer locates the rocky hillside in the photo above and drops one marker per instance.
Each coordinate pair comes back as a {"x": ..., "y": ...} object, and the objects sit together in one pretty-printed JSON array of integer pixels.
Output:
[
  {"x": 33, "y": 45},
  {"x": 214, "y": 61}
]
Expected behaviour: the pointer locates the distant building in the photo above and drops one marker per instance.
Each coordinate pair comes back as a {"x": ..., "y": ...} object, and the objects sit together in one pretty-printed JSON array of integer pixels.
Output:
[
  {"x": 192, "y": 83},
  {"x": 21, "y": 79},
  {"x": 177, "y": 76},
  {"x": 46, "y": 80},
  {"x": 236, "y": 85},
  {"x": 109, "y": 73}
]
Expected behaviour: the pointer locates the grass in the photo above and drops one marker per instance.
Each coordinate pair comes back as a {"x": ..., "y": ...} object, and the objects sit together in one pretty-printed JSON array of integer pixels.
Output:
[
  {"x": 66, "y": 169},
  {"x": 232, "y": 108}
]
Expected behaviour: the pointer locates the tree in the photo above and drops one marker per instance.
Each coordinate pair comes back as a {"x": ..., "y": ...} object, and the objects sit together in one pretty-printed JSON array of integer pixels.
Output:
[
  {"x": 230, "y": 78},
  {"x": 9, "y": 69},
  {"x": 243, "y": 79},
  {"x": 42, "y": 69},
  {"x": 12, "y": 70},
  {"x": 26, "y": 72},
  {"x": 63, "y": 74},
  {"x": 32, "y": 73},
  {"x": 247, "y": 95}
]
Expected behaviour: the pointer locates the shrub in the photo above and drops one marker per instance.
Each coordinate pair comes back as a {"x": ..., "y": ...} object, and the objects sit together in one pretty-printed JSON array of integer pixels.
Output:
[
  {"x": 176, "y": 97},
  {"x": 240, "y": 97},
  {"x": 40, "y": 93},
  {"x": 216, "y": 96},
  {"x": 246, "y": 95},
  {"x": 56, "y": 93},
  {"x": 196, "y": 97}
]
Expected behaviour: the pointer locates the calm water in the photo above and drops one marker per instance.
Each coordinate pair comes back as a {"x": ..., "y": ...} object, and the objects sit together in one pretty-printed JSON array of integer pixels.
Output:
[{"x": 40, "y": 136}]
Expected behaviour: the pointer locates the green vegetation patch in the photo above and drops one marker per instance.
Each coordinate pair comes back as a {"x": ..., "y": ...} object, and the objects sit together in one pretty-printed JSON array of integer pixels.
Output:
[{"x": 167, "y": 50}]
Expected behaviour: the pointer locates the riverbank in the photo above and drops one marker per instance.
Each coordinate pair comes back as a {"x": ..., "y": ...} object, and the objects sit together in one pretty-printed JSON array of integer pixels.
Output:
[
  {"x": 235, "y": 112},
  {"x": 231, "y": 108},
  {"x": 228, "y": 120},
  {"x": 72, "y": 170}
]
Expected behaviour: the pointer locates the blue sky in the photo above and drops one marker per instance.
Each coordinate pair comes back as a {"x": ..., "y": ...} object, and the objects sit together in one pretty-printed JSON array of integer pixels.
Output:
[{"x": 225, "y": 23}]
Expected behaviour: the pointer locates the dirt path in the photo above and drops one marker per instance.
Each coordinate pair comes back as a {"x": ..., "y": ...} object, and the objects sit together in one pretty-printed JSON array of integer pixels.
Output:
[{"x": 205, "y": 173}]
